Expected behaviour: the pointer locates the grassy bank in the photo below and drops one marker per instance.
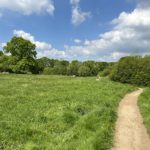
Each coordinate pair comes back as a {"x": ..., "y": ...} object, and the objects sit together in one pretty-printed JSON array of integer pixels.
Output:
[
  {"x": 58, "y": 113},
  {"x": 144, "y": 103}
]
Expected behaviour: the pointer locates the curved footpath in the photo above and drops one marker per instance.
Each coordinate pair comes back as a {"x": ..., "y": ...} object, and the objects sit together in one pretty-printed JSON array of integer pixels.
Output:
[{"x": 130, "y": 132}]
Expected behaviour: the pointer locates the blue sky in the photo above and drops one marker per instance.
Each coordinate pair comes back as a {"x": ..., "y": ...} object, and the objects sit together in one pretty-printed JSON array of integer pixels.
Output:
[{"x": 77, "y": 29}]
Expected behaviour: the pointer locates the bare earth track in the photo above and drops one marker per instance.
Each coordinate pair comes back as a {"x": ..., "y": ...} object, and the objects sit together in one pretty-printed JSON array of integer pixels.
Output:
[{"x": 130, "y": 131}]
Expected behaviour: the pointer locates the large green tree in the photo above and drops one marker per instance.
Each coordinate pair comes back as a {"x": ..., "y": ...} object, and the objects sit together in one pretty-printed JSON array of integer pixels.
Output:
[
  {"x": 20, "y": 48},
  {"x": 23, "y": 55}
]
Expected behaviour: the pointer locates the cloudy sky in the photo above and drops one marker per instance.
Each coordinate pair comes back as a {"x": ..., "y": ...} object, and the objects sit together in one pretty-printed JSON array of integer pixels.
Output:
[{"x": 102, "y": 30}]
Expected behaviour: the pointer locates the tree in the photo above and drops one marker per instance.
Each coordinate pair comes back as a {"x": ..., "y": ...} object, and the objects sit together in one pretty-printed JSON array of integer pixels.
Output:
[
  {"x": 23, "y": 54},
  {"x": 1, "y": 53},
  {"x": 25, "y": 66},
  {"x": 20, "y": 48},
  {"x": 4, "y": 63},
  {"x": 84, "y": 71},
  {"x": 102, "y": 65},
  {"x": 60, "y": 67},
  {"x": 73, "y": 68},
  {"x": 45, "y": 63}
]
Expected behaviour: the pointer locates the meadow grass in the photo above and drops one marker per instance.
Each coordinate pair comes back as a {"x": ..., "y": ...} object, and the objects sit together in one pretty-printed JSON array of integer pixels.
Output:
[
  {"x": 144, "y": 104},
  {"x": 57, "y": 112}
]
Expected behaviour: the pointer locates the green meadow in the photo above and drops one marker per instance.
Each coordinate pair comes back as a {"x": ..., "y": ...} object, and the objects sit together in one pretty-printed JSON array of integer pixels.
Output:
[{"x": 40, "y": 112}]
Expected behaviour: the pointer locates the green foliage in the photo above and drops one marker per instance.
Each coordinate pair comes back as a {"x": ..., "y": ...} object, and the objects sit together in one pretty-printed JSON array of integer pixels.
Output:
[
  {"x": 20, "y": 48},
  {"x": 58, "y": 113},
  {"x": 6, "y": 63},
  {"x": 25, "y": 61},
  {"x": 94, "y": 67},
  {"x": 25, "y": 66},
  {"x": 44, "y": 63},
  {"x": 102, "y": 65},
  {"x": 73, "y": 68},
  {"x": 107, "y": 71},
  {"x": 133, "y": 70},
  {"x": 60, "y": 67},
  {"x": 1, "y": 53},
  {"x": 84, "y": 71},
  {"x": 144, "y": 104},
  {"x": 49, "y": 71},
  {"x": 22, "y": 58}
]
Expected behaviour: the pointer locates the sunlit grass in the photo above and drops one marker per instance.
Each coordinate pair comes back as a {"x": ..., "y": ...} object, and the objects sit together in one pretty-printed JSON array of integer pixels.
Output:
[
  {"x": 58, "y": 113},
  {"x": 144, "y": 103}
]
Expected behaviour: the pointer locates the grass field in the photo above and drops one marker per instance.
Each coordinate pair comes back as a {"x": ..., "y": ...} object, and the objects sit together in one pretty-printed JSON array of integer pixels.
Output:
[
  {"x": 144, "y": 103},
  {"x": 58, "y": 113}
]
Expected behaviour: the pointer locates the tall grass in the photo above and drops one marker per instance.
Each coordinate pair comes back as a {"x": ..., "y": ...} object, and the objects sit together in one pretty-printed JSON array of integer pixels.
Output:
[
  {"x": 58, "y": 113},
  {"x": 144, "y": 103}
]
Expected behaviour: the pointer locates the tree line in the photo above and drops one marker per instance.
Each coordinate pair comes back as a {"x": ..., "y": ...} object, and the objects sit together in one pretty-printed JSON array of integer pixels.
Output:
[{"x": 19, "y": 56}]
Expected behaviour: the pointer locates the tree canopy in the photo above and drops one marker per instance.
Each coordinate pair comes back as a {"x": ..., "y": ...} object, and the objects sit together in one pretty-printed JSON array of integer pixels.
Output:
[
  {"x": 22, "y": 57},
  {"x": 20, "y": 48},
  {"x": 133, "y": 70}
]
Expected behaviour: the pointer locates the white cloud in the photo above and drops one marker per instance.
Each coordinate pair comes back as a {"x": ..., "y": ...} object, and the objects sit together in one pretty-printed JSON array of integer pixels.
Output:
[
  {"x": 28, "y": 7},
  {"x": 139, "y": 17},
  {"x": 28, "y": 36},
  {"x": 24, "y": 35},
  {"x": 78, "y": 16},
  {"x": 52, "y": 53},
  {"x": 43, "y": 49},
  {"x": 130, "y": 35},
  {"x": 77, "y": 41}
]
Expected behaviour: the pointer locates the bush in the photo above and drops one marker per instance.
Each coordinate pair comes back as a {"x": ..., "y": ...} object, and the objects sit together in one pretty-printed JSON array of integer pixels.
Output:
[
  {"x": 106, "y": 72},
  {"x": 133, "y": 70},
  {"x": 49, "y": 71},
  {"x": 84, "y": 71}
]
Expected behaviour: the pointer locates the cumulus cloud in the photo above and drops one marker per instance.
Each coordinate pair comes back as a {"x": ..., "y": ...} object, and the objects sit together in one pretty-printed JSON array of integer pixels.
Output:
[
  {"x": 52, "y": 53},
  {"x": 28, "y": 36},
  {"x": 129, "y": 36},
  {"x": 28, "y": 7},
  {"x": 78, "y": 16},
  {"x": 44, "y": 49}
]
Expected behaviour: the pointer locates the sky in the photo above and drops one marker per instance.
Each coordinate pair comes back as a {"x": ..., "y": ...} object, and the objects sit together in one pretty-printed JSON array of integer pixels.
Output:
[{"x": 101, "y": 30}]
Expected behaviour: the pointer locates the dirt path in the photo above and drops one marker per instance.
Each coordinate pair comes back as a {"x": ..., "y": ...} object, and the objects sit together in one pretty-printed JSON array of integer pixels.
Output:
[{"x": 130, "y": 131}]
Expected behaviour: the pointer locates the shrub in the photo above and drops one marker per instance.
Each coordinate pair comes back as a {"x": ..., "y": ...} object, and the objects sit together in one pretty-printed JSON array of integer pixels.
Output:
[
  {"x": 133, "y": 70},
  {"x": 84, "y": 71}
]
